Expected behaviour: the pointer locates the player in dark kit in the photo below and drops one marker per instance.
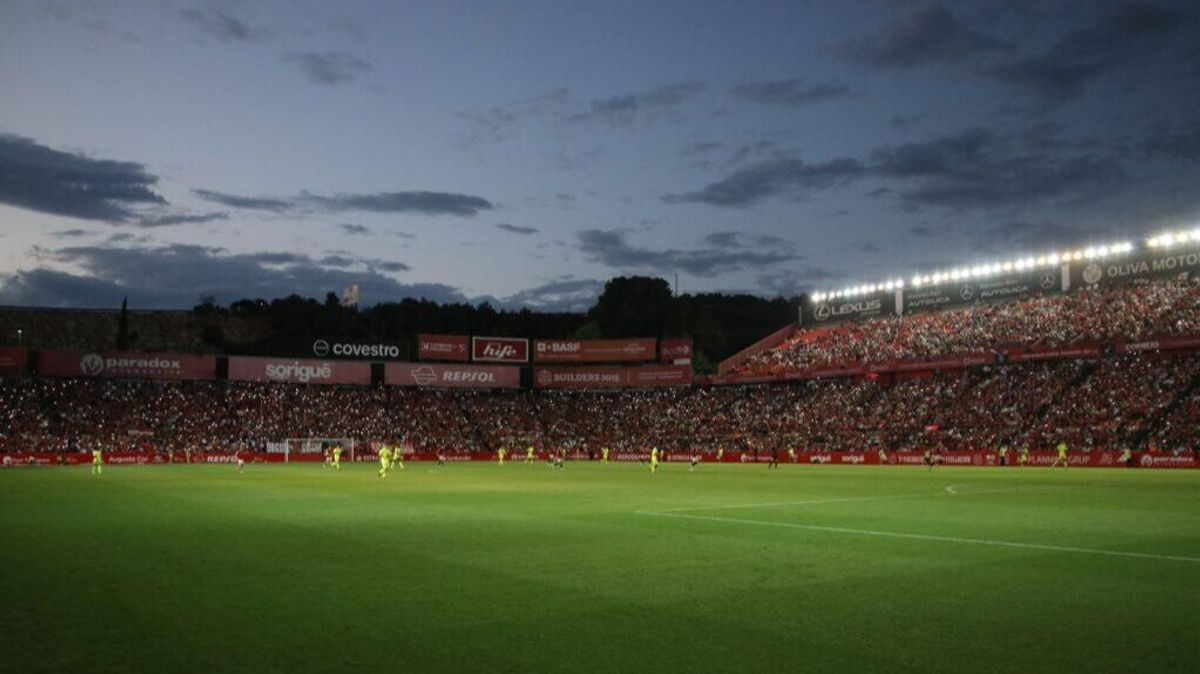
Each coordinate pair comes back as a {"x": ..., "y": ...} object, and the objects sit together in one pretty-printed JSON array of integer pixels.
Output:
[{"x": 774, "y": 458}]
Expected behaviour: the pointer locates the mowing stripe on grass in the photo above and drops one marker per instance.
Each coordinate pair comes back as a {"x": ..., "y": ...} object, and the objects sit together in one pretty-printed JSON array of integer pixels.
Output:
[{"x": 925, "y": 537}]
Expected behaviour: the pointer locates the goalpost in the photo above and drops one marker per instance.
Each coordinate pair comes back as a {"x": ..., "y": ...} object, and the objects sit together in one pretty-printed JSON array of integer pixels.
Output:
[{"x": 312, "y": 449}]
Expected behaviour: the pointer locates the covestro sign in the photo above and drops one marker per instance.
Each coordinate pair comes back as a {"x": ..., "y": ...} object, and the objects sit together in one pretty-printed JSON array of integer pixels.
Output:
[{"x": 323, "y": 348}]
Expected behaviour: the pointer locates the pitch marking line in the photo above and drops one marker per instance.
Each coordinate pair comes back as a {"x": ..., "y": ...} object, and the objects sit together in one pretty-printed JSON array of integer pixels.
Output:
[
  {"x": 849, "y": 499},
  {"x": 926, "y": 537}
]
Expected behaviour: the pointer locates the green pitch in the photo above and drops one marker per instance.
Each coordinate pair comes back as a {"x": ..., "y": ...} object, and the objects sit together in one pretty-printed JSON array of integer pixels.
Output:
[{"x": 473, "y": 568}]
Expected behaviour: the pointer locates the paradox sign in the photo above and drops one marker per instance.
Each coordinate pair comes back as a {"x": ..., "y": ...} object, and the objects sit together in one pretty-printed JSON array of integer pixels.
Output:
[{"x": 322, "y": 348}]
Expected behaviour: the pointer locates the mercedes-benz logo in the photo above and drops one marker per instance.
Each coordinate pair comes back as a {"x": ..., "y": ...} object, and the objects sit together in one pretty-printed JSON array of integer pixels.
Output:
[
  {"x": 321, "y": 348},
  {"x": 1047, "y": 280},
  {"x": 966, "y": 292}
]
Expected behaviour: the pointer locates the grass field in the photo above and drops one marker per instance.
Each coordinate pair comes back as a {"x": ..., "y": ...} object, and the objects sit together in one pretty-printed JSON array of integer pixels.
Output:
[{"x": 475, "y": 568}]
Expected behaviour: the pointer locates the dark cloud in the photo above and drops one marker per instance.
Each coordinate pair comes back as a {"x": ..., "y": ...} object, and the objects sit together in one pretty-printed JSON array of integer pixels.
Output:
[
  {"x": 927, "y": 35},
  {"x": 623, "y": 110},
  {"x": 1120, "y": 37},
  {"x": 221, "y": 25},
  {"x": 723, "y": 239},
  {"x": 429, "y": 203},
  {"x": 575, "y": 295},
  {"x": 329, "y": 68},
  {"x": 1181, "y": 143},
  {"x": 175, "y": 276},
  {"x": 71, "y": 233},
  {"x": 979, "y": 168},
  {"x": 516, "y": 229},
  {"x": 792, "y": 92},
  {"x": 869, "y": 247},
  {"x": 244, "y": 202},
  {"x": 494, "y": 123},
  {"x": 39, "y": 178},
  {"x": 354, "y": 230},
  {"x": 166, "y": 220},
  {"x": 792, "y": 282},
  {"x": 611, "y": 249},
  {"x": 772, "y": 177}
]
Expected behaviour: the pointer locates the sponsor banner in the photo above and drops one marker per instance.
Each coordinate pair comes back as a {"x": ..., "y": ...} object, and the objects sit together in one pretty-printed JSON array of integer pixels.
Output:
[
  {"x": 1156, "y": 264},
  {"x": 13, "y": 361},
  {"x": 1008, "y": 286},
  {"x": 1161, "y": 344},
  {"x": 612, "y": 377},
  {"x": 172, "y": 366},
  {"x": 593, "y": 350},
  {"x": 1033, "y": 354},
  {"x": 244, "y": 368},
  {"x": 452, "y": 376},
  {"x": 333, "y": 348},
  {"x": 955, "y": 362},
  {"x": 675, "y": 350},
  {"x": 849, "y": 309},
  {"x": 499, "y": 350},
  {"x": 443, "y": 347}
]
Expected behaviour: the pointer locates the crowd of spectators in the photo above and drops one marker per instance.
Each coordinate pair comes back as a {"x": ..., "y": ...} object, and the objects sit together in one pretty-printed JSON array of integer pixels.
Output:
[
  {"x": 1127, "y": 312},
  {"x": 1106, "y": 403}
]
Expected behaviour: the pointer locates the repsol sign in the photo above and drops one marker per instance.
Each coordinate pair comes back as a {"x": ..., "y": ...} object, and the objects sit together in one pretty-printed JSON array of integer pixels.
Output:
[{"x": 323, "y": 348}]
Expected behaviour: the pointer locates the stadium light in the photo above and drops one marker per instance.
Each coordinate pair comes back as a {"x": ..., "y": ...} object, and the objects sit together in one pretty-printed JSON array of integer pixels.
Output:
[{"x": 982, "y": 270}]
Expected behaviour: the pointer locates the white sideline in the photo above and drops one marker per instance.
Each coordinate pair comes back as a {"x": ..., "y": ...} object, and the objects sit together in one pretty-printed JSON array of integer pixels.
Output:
[
  {"x": 847, "y": 499},
  {"x": 925, "y": 537}
]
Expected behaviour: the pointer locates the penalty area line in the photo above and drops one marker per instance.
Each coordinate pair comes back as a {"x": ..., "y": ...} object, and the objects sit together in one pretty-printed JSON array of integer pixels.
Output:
[{"x": 925, "y": 537}]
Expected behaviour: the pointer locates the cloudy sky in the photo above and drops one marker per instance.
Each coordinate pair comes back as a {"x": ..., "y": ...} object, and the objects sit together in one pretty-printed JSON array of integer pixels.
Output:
[{"x": 525, "y": 152}]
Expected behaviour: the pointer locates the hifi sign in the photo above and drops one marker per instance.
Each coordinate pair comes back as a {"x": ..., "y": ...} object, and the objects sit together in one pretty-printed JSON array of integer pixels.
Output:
[
  {"x": 452, "y": 376},
  {"x": 593, "y": 350},
  {"x": 328, "y": 348},
  {"x": 499, "y": 350},
  {"x": 172, "y": 366},
  {"x": 443, "y": 347}
]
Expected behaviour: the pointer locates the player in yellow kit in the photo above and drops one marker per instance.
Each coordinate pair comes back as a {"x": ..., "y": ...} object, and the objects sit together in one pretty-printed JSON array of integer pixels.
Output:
[
  {"x": 604, "y": 456},
  {"x": 529, "y": 459},
  {"x": 97, "y": 461},
  {"x": 1023, "y": 456},
  {"x": 1062, "y": 455},
  {"x": 398, "y": 456},
  {"x": 720, "y": 454},
  {"x": 654, "y": 460},
  {"x": 792, "y": 454},
  {"x": 500, "y": 454},
  {"x": 385, "y": 461},
  {"x": 337, "y": 457}
]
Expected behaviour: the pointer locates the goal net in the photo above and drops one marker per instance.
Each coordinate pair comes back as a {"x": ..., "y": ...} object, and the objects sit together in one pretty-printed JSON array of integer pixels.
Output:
[{"x": 312, "y": 449}]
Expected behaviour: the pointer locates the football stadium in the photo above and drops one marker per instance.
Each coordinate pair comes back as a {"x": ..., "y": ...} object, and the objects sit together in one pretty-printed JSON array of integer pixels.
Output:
[
  {"x": 560, "y": 336},
  {"x": 1008, "y": 443}
]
